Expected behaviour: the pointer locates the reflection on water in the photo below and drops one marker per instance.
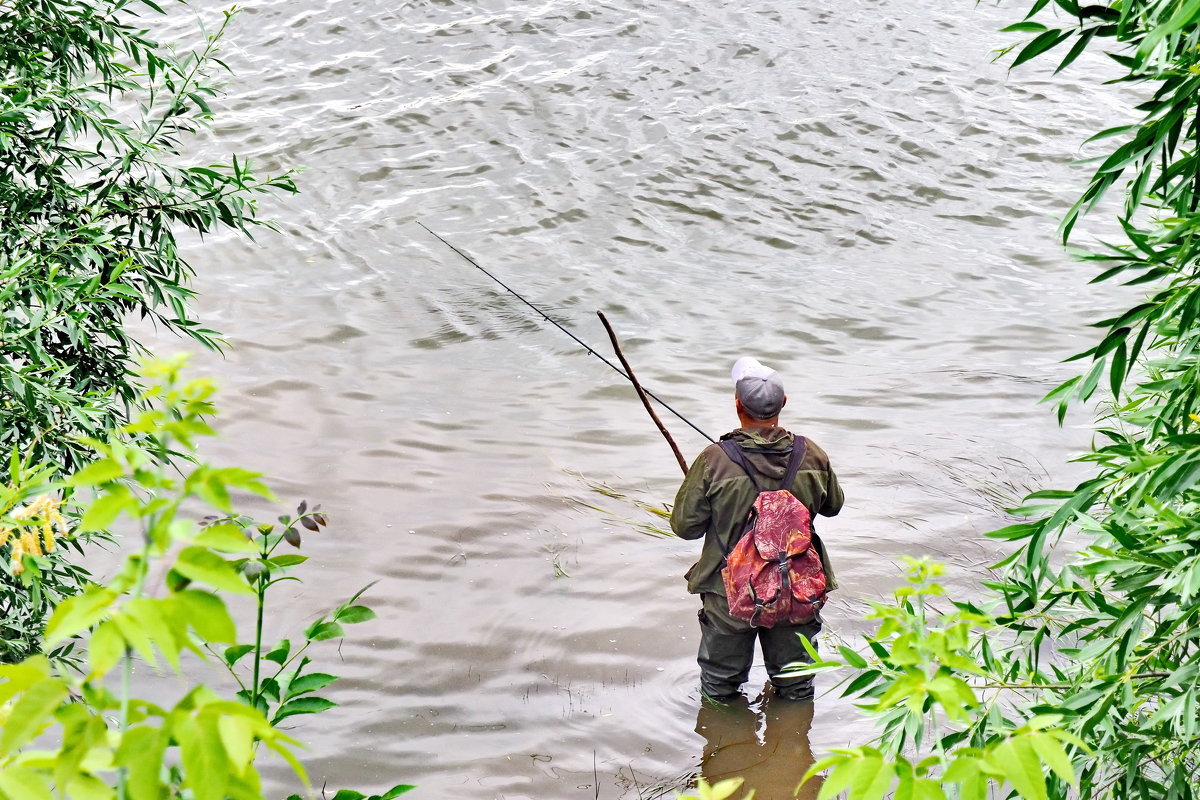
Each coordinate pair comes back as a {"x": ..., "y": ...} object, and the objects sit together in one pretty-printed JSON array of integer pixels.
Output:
[{"x": 764, "y": 741}]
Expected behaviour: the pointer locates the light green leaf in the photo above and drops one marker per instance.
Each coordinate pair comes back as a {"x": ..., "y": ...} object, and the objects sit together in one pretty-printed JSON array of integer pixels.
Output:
[
  {"x": 19, "y": 677},
  {"x": 105, "y": 509},
  {"x": 89, "y": 787},
  {"x": 105, "y": 649},
  {"x": 102, "y": 471},
  {"x": 1053, "y": 755},
  {"x": 31, "y": 713},
  {"x": 237, "y": 737},
  {"x": 141, "y": 750},
  {"x": 289, "y": 757},
  {"x": 200, "y": 564},
  {"x": 226, "y": 538},
  {"x": 872, "y": 779},
  {"x": 205, "y": 764},
  {"x": 839, "y": 777},
  {"x": 1016, "y": 759},
  {"x": 207, "y": 613},
  {"x": 76, "y": 614},
  {"x": 22, "y": 783},
  {"x": 136, "y": 636},
  {"x": 151, "y": 615}
]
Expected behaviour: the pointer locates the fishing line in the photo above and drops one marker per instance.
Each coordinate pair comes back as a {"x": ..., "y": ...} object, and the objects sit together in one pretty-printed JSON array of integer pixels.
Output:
[{"x": 556, "y": 324}]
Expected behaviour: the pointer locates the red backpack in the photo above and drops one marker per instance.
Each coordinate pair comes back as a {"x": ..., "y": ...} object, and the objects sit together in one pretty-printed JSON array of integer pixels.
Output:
[{"x": 774, "y": 575}]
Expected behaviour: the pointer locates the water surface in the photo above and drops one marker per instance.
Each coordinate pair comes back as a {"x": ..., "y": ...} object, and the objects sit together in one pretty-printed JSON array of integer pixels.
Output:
[{"x": 851, "y": 191}]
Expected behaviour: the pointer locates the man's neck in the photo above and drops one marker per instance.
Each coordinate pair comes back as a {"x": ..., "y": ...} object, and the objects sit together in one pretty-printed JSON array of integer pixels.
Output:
[{"x": 751, "y": 424}]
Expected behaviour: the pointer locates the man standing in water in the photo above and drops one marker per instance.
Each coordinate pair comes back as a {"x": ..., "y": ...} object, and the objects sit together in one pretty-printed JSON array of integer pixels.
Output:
[{"x": 714, "y": 501}]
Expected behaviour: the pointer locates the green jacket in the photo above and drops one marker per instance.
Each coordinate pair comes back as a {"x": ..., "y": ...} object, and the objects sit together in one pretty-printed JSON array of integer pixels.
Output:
[{"x": 717, "y": 495}]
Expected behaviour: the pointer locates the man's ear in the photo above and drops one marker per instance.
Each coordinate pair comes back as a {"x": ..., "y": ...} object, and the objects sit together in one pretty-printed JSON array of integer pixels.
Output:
[
  {"x": 737, "y": 404},
  {"x": 784, "y": 403}
]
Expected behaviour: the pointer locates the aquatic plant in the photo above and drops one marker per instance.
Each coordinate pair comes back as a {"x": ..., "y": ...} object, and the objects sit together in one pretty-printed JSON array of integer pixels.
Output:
[
  {"x": 90, "y": 736},
  {"x": 1079, "y": 673}
]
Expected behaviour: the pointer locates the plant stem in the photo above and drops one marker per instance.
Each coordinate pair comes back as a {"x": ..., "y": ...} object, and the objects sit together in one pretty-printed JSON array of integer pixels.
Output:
[{"x": 258, "y": 627}]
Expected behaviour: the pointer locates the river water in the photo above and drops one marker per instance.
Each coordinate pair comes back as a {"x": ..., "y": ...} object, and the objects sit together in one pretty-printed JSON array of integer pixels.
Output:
[{"x": 851, "y": 191}]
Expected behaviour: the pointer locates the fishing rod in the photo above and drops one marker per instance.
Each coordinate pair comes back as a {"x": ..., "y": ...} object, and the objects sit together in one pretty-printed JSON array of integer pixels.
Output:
[{"x": 579, "y": 341}]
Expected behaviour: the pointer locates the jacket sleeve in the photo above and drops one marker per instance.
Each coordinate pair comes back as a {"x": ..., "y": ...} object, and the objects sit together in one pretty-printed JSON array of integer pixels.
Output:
[
  {"x": 833, "y": 496},
  {"x": 692, "y": 512}
]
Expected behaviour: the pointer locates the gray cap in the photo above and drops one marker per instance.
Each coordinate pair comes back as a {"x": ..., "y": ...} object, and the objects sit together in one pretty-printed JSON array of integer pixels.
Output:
[{"x": 758, "y": 387}]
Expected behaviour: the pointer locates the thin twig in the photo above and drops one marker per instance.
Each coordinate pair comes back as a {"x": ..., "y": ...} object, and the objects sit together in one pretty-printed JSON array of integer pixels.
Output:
[{"x": 641, "y": 393}]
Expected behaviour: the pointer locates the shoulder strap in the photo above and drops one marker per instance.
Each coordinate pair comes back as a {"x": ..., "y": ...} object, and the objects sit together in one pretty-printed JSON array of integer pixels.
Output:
[
  {"x": 738, "y": 456},
  {"x": 799, "y": 445},
  {"x": 734, "y": 451}
]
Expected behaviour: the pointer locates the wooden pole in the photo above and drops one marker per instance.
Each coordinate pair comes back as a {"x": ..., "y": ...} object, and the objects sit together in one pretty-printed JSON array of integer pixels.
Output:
[{"x": 642, "y": 393}]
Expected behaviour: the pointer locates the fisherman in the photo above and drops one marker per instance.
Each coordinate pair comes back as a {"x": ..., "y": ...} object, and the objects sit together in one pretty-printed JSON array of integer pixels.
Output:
[{"x": 714, "y": 501}]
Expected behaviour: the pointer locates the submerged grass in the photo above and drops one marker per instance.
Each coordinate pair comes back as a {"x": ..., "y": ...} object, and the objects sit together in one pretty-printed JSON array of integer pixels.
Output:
[{"x": 657, "y": 511}]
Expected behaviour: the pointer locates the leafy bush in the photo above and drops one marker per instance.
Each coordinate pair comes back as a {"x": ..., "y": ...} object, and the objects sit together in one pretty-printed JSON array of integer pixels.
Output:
[
  {"x": 94, "y": 190},
  {"x": 1086, "y": 681},
  {"x": 106, "y": 743}
]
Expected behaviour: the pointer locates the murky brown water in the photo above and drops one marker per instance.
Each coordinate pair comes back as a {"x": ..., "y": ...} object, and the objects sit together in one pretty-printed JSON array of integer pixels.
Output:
[{"x": 850, "y": 191}]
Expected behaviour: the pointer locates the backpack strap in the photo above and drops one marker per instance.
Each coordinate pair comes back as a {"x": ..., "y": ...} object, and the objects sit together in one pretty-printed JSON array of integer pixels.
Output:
[
  {"x": 734, "y": 451},
  {"x": 737, "y": 455},
  {"x": 799, "y": 446}
]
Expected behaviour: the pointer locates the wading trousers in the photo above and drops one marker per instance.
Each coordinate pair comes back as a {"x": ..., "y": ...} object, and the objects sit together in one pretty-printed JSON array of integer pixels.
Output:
[{"x": 727, "y": 652}]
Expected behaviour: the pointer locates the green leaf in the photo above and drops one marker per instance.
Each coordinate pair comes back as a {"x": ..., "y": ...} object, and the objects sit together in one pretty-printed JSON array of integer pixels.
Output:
[
  {"x": 105, "y": 649},
  {"x": 1054, "y": 756},
  {"x": 302, "y": 705},
  {"x": 76, "y": 614},
  {"x": 1040, "y": 44},
  {"x": 1024, "y": 27},
  {"x": 323, "y": 631},
  {"x": 206, "y": 767},
  {"x": 141, "y": 750},
  {"x": 279, "y": 653},
  {"x": 396, "y": 791},
  {"x": 1017, "y": 760},
  {"x": 235, "y": 653},
  {"x": 309, "y": 683},
  {"x": 1116, "y": 374},
  {"x": 872, "y": 779},
  {"x": 199, "y": 564},
  {"x": 102, "y": 471},
  {"x": 354, "y": 614},
  {"x": 206, "y": 612},
  {"x": 31, "y": 713},
  {"x": 852, "y": 658},
  {"x": 237, "y": 740},
  {"x": 105, "y": 509},
  {"x": 23, "y": 783},
  {"x": 226, "y": 538}
]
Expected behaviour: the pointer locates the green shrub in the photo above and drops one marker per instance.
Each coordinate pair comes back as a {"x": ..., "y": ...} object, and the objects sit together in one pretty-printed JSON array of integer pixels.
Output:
[
  {"x": 95, "y": 187},
  {"x": 167, "y": 598},
  {"x": 1078, "y": 675}
]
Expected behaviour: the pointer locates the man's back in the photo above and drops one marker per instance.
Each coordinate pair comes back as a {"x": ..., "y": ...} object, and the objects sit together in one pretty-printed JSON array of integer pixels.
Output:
[{"x": 717, "y": 495}]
